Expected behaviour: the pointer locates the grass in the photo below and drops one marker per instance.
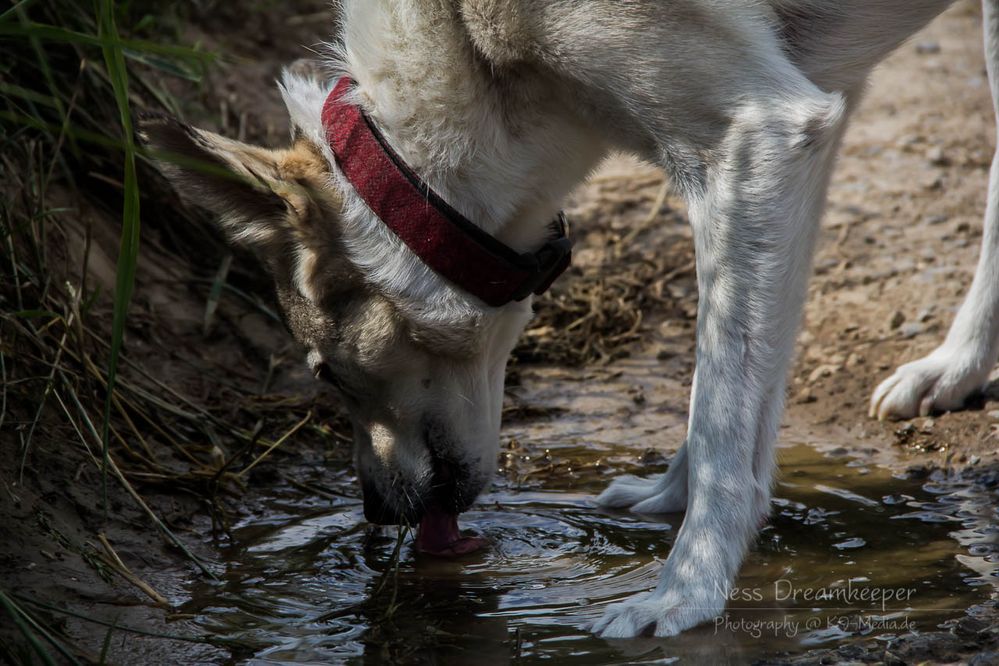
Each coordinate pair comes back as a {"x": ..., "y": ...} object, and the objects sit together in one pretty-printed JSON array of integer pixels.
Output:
[
  {"x": 63, "y": 114},
  {"x": 36, "y": 634},
  {"x": 128, "y": 253},
  {"x": 72, "y": 75}
]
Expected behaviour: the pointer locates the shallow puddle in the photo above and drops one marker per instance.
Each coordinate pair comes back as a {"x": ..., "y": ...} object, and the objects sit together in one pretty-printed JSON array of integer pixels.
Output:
[{"x": 307, "y": 581}]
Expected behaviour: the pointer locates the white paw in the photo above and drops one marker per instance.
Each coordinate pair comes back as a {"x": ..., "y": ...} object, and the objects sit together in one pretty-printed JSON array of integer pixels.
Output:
[
  {"x": 939, "y": 382},
  {"x": 656, "y": 494},
  {"x": 658, "y": 614}
]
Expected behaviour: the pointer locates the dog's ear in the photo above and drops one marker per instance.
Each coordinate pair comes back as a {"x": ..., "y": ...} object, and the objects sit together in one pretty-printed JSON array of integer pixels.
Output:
[{"x": 247, "y": 186}]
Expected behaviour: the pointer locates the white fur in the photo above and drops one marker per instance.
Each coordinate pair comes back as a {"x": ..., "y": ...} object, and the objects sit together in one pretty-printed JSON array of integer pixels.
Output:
[{"x": 502, "y": 107}]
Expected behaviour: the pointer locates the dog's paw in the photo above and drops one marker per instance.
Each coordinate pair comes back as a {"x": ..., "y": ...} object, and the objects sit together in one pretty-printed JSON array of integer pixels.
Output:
[
  {"x": 658, "y": 614},
  {"x": 939, "y": 382},
  {"x": 656, "y": 494}
]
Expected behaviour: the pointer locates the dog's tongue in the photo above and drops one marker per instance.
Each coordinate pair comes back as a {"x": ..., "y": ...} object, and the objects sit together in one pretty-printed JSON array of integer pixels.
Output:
[{"x": 438, "y": 535}]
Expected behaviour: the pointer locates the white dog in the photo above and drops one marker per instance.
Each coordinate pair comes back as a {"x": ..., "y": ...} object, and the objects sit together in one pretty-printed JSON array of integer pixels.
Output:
[{"x": 500, "y": 107}]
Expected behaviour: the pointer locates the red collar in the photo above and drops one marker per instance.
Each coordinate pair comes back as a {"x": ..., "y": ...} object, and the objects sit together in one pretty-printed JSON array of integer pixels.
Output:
[{"x": 440, "y": 236}]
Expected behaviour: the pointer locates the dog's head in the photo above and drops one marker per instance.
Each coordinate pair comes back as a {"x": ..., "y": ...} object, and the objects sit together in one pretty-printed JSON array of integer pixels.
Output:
[{"x": 423, "y": 382}]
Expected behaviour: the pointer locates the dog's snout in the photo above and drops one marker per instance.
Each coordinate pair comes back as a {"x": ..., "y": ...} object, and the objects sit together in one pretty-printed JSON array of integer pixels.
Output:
[{"x": 405, "y": 475}]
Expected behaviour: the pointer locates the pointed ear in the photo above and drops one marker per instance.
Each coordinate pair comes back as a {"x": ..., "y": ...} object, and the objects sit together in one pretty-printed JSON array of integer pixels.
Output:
[{"x": 243, "y": 184}]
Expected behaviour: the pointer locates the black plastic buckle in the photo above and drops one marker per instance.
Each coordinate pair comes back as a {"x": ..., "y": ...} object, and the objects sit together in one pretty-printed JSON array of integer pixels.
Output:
[{"x": 552, "y": 260}]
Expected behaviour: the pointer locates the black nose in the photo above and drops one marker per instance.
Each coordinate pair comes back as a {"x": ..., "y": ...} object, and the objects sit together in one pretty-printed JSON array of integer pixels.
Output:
[
  {"x": 448, "y": 481},
  {"x": 376, "y": 510},
  {"x": 380, "y": 512}
]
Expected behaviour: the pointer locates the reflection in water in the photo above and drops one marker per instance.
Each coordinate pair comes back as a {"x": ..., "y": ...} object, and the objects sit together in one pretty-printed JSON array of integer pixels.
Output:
[{"x": 308, "y": 581}]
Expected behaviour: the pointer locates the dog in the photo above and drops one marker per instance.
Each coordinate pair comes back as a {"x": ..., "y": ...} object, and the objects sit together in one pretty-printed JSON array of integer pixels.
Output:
[{"x": 476, "y": 118}]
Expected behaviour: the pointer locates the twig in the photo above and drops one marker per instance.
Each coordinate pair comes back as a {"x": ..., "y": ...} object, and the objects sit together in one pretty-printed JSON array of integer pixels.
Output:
[
  {"x": 651, "y": 217},
  {"x": 131, "y": 491},
  {"x": 49, "y": 382},
  {"x": 115, "y": 563},
  {"x": 295, "y": 428},
  {"x": 131, "y": 630}
]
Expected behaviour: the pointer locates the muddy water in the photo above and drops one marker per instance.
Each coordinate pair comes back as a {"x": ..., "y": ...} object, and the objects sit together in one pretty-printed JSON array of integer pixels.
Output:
[{"x": 306, "y": 581}]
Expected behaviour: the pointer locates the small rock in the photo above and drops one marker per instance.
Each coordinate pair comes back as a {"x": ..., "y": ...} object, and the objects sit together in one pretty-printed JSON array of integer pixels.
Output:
[
  {"x": 652, "y": 457},
  {"x": 994, "y": 414},
  {"x": 897, "y": 320},
  {"x": 928, "y": 48},
  {"x": 933, "y": 182},
  {"x": 822, "y": 371},
  {"x": 935, "y": 219},
  {"x": 854, "y": 360},
  {"x": 969, "y": 626},
  {"x": 890, "y": 659},
  {"x": 854, "y": 652},
  {"x": 937, "y": 157},
  {"x": 911, "y": 330},
  {"x": 805, "y": 396}
]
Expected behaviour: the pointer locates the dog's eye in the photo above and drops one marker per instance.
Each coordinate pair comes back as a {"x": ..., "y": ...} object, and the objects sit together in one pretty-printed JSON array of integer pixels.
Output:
[{"x": 324, "y": 372}]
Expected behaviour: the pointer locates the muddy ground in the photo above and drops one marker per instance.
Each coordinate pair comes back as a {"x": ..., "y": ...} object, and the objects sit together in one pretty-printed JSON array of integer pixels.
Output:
[{"x": 898, "y": 249}]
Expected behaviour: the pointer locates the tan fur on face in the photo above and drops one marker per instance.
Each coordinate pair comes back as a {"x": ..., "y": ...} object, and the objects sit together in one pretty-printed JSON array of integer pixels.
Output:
[{"x": 279, "y": 203}]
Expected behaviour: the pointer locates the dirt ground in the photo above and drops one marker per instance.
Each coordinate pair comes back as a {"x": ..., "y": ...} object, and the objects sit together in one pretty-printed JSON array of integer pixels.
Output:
[
  {"x": 901, "y": 241},
  {"x": 898, "y": 250}
]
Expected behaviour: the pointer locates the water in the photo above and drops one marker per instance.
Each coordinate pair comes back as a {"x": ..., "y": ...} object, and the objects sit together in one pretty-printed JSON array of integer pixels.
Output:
[{"x": 308, "y": 582}]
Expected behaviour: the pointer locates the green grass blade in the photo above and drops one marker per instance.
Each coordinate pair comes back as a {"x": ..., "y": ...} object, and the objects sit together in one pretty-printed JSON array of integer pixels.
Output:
[
  {"x": 25, "y": 630},
  {"x": 29, "y": 626},
  {"x": 106, "y": 645},
  {"x": 201, "y": 640},
  {"x": 12, "y": 90},
  {"x": 23, "y": 30},
  {"x": 18, "y": 7},
  {"x": 38, "y": 32},
  {"x": 129, "y": 248}
]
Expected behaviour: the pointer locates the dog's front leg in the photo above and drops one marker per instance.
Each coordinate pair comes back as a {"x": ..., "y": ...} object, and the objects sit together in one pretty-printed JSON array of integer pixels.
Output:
[{"x": 754, "y": 228}]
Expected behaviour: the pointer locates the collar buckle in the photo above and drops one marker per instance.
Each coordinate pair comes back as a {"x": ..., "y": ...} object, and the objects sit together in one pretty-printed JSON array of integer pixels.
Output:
[{"x": 549, "y": 262}]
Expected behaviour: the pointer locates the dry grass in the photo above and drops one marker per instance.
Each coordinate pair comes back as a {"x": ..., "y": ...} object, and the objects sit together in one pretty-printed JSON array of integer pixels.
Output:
[
  {"x": 596, "y": 311},
  {"x": 69, "y": 82}
]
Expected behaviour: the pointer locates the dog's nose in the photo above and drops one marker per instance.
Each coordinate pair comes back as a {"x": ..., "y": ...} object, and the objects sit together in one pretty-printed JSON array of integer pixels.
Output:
[
  {"x": 448, "y": 478},
  {"x": 376, "y": 509}
]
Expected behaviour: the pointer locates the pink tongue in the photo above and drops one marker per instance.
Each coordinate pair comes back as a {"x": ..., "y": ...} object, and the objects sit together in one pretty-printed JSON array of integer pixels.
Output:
[{"x": 438, "y": 535}]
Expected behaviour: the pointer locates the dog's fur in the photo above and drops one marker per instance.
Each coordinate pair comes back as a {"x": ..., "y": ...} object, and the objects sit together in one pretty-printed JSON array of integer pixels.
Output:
[{"x": 503, "y": 106}]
